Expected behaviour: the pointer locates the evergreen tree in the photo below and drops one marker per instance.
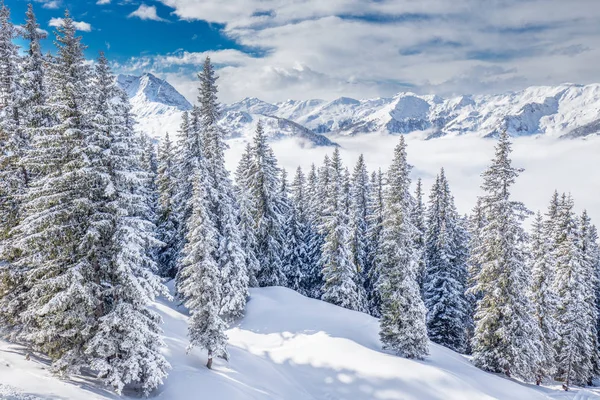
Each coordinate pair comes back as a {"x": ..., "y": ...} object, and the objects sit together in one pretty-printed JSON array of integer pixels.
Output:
[
  {"x": 247, "y": 211},
  {"x": 13, "y": 178},
  {"x": 312, "y": 279},
  {"x": 359, "y": 225},
  {"x": 229, "y": 255},
  {"x": 199, "y": 281},
  {"x": 167, "y": 222},
  {"x": 543, "y": 297},
  {"x": 445, "y": 285},
  {"x": 505, "y": 334},
  {"x": 126, "y": 345},
  {"x": 339, "y": 270},
  {"x": 264, "y": 191},
  {"x": 297, "y": 259},
  {"x": 576, "y": 311},
  {"x": 418, "y": 216},
  {"x": 402, "y": 322},
  {"x": 376, "y": 216}
]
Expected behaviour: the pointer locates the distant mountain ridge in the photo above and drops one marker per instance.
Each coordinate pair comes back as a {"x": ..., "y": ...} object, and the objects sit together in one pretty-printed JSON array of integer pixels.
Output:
[{"x": 567, "y": 110}]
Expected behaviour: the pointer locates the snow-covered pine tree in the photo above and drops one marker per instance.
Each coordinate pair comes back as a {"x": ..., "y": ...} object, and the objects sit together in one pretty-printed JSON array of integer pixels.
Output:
[
  {"x": 444, "y": 286},
  {"x": 543, "y": 296},
  {"x": 125, "y": 348},
  {"x": 167, "y": 222},
  {"x": 199, "y": 281},
  {"x": 33, "y": 81},
  {"x": 264, "y": 190},
  {"x": 376, "y": 210},
  {"x": 506, "y": 335},
  {"x": 418, "y": 217},
  {"x": 296, "y": 258},
  {"x": 574, "y": 346},
  {"x": 313, "y": 279},
  {"x": 230, "y": 254},
  {"x": 359, "y": 225},
  {"x": 13, "y": 178},
  {"x": 247, "y": 211},
  {"x": 339, "y": 271},
  {"x": 402, "y": 322},
  {"x": 62, "y": 236},
  {"x": 149, "y": 163}
]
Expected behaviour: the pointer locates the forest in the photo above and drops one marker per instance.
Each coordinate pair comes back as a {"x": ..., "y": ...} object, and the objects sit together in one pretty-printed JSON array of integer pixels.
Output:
[{"x": 96, "y": 217}]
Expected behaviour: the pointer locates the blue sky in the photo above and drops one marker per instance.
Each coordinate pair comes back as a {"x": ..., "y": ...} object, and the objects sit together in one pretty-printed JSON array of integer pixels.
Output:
[{"x": 280, "y": 49}]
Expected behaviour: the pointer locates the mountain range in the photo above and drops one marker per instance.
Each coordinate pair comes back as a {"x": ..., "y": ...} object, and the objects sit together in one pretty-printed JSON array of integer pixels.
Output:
[{"x": 567, "y": 110}]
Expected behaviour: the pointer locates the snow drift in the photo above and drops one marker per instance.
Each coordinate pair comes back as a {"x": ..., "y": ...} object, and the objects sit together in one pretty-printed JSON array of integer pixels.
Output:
[{"x": 287, "y": 347}]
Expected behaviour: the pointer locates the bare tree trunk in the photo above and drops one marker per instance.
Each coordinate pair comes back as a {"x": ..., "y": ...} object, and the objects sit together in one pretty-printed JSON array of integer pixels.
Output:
[{"x": 210, "y": 358}]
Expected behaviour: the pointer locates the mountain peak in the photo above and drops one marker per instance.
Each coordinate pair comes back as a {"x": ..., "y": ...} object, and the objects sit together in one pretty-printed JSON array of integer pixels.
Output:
[{"x": 147, "y": 88}]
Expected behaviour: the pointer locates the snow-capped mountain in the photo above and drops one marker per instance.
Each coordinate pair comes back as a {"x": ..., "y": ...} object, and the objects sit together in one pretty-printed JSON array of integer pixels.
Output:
[
  {"x": 158, "y": 108},
  {"x": 567, "y": 110}
]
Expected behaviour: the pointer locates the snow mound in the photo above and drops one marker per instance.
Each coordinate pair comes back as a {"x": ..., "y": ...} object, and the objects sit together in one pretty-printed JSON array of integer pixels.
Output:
[{"x": 287, "y": 347}]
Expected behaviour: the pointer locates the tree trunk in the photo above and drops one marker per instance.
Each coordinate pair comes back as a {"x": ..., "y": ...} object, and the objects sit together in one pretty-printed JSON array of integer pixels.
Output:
[{"x": 210, "y": 358}]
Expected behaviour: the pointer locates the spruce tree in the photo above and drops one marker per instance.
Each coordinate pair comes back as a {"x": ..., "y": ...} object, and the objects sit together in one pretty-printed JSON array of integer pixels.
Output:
[
  {"x": 376, "y": 216},
  {"x": 418, "y": 216},
  {"x": 297, "y": 238},
  {"x": 199, "y": 281},
  {"x": 247, "y": 211},
  {"x": 339, "y": 270},
  {"x": 229, "y": 255},
  {"x": 264, "y": 190},
  {"x": 359, "y": 225},
  {"x": 402, "y": 321},
  {"x": 444, "y": 286},
  {"x": 506, "y": 335},
  {"x": 312, "y": 278},
  {"x": 126, "y": 346},
  {"x": 167, "y": 221},
  {"x": 544, "y": 298}
]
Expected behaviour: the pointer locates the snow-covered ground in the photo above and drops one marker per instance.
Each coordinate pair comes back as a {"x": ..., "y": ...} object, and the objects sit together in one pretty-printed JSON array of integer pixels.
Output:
[{"x": 288, "y": 347}]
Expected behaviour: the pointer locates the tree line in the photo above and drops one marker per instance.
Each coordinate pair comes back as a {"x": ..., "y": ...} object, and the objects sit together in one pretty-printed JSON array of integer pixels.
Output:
[{"x": 94, "y": 218}]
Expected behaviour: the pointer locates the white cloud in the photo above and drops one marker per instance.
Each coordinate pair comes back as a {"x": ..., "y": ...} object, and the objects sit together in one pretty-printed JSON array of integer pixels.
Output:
[
  {"x": 79, "y": 25},
  {"x": 147, "y": 13},
  {"x": 50, "y": 4},
  {"x": 357, "y": 48},
  {"x": 103, "y": 2}
]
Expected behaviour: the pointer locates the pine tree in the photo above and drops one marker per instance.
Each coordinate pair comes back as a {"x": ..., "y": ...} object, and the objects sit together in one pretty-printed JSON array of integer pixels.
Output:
[
  {"x": 264, "y": 191},
  {"x": 313, "y": 279},
  {"x": 13, "y": 177},
  {"x": 339, "y": 270},
  {"x": 296, "y": 260},
  {"x": 247, "y": 211},
  {"x": 505, "y": 334},
  {"x": 359, "y": 225},
  {"x": 543, "y": 296},
  {"x": 402, "y": 322},
  {"x": 126, "y": 345},
  {"x": 167, "y": 222},
  {"x": 376, "y": 216},
  {"x": 576, "y": 346},
  {"x": 418, "y": 216},
  {"x": 444, "y": 286},
  {"x": 62, "y": 237},
  {"x": 199, "y": 281},
  {"x": 229, "y": 255}
]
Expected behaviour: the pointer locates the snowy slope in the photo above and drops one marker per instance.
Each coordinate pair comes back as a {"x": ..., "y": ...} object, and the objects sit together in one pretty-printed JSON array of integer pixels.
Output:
[{"x": 288, "y": 347}]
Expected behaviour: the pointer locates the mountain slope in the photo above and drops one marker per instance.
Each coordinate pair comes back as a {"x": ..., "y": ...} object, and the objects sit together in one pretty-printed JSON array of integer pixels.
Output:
[
  {"x": 158, "y": 108},
  {"x": 570, "y": 110},
  {"x": 287, "y": 347}
]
